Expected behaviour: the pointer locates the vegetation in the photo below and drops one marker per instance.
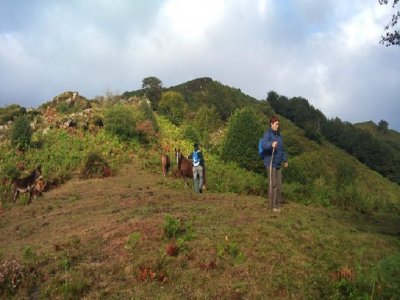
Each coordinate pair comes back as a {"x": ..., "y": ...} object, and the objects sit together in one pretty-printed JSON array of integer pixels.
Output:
[
  {"x": 10, "y": 112},
  {"x": 21, "y": 133},
  {"x": 135, "y": 233},
  {"x": 373, "y": 150},
  {"x": 205, "y": 91},
  {"x": 243, "y": 133},
  {"x": 392, "y": 38},
  {"x": 173, "y": 106},
  {"x": 120, "y": 121},
  {"x": 152, "y": 87}
]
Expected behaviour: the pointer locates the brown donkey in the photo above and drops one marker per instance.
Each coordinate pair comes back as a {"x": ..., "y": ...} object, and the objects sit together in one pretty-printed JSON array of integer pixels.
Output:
[
  {"x": 165, "y": 163},
  {"x": 26, "y": 184}
]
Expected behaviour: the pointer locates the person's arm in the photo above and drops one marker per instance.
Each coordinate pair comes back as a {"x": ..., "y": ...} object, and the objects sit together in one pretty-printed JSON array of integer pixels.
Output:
[
  {"x": 190, "y": 155},
  {"x": 201, "y": 157},
  {"x": 266, "y": 143},
  {"x": 284, "y": 157}
]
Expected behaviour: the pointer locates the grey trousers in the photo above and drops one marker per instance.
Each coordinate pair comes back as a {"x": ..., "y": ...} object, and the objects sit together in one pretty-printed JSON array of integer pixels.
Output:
[
  {"x": 198, "y": 180},
  {"x": 275, "y": 188}
]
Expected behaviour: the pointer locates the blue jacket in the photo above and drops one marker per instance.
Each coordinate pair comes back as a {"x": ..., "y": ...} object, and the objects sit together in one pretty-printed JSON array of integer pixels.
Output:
[{"x": 279, "y": 154}]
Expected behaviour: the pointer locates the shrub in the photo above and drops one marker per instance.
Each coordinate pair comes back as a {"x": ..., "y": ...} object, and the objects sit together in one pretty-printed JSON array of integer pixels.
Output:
[
  {"x": 206, "y": 121},
  {"x": 241, "y": 140},
  {"x": 10, "y": 112},
  {"x": 21, "y": 133},
  {"x": 145, "y": 113},
  {"x": 388, "y": 276},
  {"x": 173, "y": 106},
  {"x": 9, "y": 170},
  {"x": 120, "y": 121},
  {"x": 191, "y": 134},
  {"x": 175, "y": 228},
  {"x": 133, "y": 240},
  {"x": 96, "y": 166},
  {"x": 12, "y": 275}
]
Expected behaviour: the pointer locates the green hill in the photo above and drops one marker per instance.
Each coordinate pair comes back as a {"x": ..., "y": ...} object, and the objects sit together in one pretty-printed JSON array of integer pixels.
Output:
[
  {"x": 390, "y": 136},
  {"x": 110, "y": 226}
]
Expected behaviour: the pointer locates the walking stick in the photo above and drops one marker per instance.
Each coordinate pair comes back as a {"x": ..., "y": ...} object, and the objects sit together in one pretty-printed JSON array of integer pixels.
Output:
[{"x": 270, "y": 178}]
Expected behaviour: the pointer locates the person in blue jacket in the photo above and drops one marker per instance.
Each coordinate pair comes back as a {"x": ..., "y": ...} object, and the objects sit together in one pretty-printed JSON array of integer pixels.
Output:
[
  {"x": 274, "y": 158},
  {"x": 198, "y": 169}
]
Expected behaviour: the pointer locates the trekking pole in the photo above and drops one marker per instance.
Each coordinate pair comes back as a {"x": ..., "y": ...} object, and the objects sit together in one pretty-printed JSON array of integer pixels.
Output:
[{"x": 270, "y": 177}]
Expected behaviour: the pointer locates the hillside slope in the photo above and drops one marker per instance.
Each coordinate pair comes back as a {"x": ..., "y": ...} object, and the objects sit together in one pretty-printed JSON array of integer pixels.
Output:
[{"x": 111, "y": 238}]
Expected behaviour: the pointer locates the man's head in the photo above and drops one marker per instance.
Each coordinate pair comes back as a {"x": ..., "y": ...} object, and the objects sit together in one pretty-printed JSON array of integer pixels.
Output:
[{"x": 195, "y": 146}]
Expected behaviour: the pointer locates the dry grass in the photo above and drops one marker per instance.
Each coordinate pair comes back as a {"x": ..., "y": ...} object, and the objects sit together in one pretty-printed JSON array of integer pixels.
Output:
[{"x": 240, "y": 249}]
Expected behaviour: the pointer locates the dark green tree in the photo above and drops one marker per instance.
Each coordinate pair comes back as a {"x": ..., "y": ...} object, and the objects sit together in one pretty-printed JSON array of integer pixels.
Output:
[
  {"x": 21, "y": 133},
  {"x": 241, "y": 140},
  {"x": 383, "y": 126},
  {"x": 152, "y": 87},
  {"x": 173, "y": 106},
  {"x": 392, "y": 37}
]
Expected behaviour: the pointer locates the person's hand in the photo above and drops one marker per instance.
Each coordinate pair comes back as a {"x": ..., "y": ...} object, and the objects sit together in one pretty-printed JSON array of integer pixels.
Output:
[
  {"x": 285, "y": 164},
  {"x": 274, "y": 144}
]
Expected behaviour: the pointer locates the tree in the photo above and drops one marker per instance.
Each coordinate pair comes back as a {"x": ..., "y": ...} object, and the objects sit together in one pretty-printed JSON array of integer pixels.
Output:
[
  {"x": 152, "y": 87},
  {"x": 383, "y": 126},
  {"x": 241, "y": 140},
  {"x": 206, "y": 121},
  {"x": 21, "y": 133},
  {"x": 173, "y": 106},
  {"x": 391, "y": 38}
]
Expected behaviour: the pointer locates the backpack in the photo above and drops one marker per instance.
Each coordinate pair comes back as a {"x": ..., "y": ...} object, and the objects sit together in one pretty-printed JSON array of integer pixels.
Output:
[
  {"x": 196, "y": 159},
  {"x": 260, "y": 149}
]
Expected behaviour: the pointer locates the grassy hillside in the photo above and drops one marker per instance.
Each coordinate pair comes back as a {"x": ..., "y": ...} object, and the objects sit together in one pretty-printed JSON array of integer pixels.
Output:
[
  {"x": 390, "y": 137},
  {"x": 130, "y": 233},
  {"x": 131, "y": 236}
]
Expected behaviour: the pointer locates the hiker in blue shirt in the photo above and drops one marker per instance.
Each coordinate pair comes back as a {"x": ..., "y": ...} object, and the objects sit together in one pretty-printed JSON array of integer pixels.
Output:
[
  {"x": 274, "y": 159},
  {"x": 198, "y": 168}
]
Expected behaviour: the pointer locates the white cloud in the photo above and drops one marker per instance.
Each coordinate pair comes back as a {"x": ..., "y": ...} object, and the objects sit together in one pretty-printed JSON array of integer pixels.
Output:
[{"x": 326, "y": 52}]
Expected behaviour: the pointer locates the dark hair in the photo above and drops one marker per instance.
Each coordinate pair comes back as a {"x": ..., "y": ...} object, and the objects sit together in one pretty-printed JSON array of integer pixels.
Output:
[
  {"x": 195, "y": 146},
  {"x": 273, "y": 119}
]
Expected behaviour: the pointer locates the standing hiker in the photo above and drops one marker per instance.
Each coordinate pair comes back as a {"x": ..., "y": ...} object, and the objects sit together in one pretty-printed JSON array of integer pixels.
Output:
[
  {"x": 274, "y": 159},
  {"x": 198, "y": 168}
]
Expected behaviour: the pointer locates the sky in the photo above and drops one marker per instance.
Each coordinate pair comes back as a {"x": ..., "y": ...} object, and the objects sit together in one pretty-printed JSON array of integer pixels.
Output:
[{"x": 327, "y": 52}]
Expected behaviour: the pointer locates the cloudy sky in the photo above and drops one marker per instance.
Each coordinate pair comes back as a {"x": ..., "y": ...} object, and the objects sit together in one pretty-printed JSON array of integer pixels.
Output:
[{"x": 325, "y": 51}]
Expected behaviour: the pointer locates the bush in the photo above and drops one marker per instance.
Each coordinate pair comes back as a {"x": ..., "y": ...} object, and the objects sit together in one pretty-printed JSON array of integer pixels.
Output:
[
  {"x": 10, "y": 112},
  {"x": 206, "y": 121},
  {"x": 388, "y": 276},
  {"x": 241, "y": 140},
  {"x": 96, "y": 167},
  {"x": 21, "y": 133},
  {"x": 173, "y": 106},
  {"x": 120, "y": 121}
]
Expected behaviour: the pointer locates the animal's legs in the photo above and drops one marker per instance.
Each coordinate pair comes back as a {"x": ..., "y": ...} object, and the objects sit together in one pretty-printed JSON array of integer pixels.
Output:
[
  {"x": 15, "y": 195},
  {"x": 30, "y": 196}
]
